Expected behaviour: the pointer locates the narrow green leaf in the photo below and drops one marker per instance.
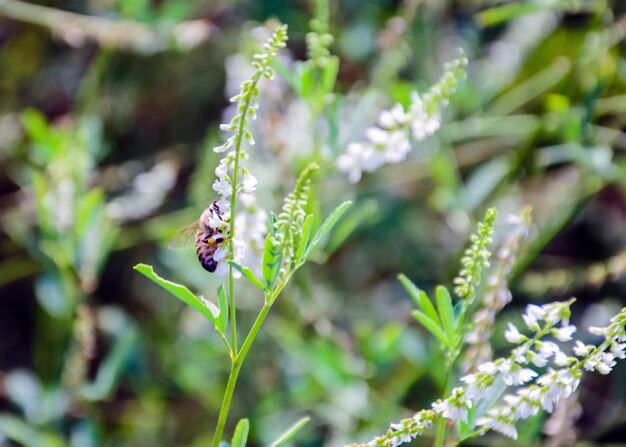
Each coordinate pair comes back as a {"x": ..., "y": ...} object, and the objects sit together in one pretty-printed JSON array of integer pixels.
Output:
[
  {"x": 290, "y": 432},
  {"x": 432, "y": 327},
  {"x": 305, "y": 238},
  {"x": 446, "y": 312},
  {"x": 504, "y": 13},
  {"x": 306, "y": 81},
  {"x": 273, "y": 221},
  {"x": 328, "y": 225},
  {"x": 222, "y": 320},
  {"x": 241, "y": 434},
  {"x": 245, "y": 271},
  {"x": 272, "y": 258},
  {"x": 292, "y": 78},
  {"x": 203, "y": 306},
  {"x": 419, "y": 296}
]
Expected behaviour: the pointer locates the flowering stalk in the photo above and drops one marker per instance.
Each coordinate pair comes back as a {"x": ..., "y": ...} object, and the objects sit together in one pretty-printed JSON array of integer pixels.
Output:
[
  {"x": 233, "y": 179},
  {"x": 497, "y": 293},
  {"x": 546, "y": 391},
  {"x": 390, "y": 141}
]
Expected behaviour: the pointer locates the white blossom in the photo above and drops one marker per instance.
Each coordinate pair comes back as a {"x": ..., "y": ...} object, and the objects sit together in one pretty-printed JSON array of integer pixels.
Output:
[
  {"x": 564, "y": 333},
  {"x": 513, "y": 335}
]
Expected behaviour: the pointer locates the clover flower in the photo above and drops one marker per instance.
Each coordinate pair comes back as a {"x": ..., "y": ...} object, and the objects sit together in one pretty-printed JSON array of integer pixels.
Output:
[
  {"x": 547, "y": 390},
  {"x": 389, "y": 142},
  {"x": 233, "y": 180}
]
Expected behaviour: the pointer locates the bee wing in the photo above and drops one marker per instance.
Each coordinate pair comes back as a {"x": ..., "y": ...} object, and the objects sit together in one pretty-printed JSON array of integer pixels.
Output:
[{"x": 185, "y": 238}]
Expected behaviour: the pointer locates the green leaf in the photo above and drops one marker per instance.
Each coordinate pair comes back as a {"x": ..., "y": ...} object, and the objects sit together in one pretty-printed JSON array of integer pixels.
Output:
[
  {"x": 432, "y": 327},
  {"x": 290, "y": 432},
  {"x": 306, "y": 81},
  {"x": 446, "y": 312},
  {"x": 292, "y": 79},
  {"x": 305, "y": 238},
  {"x": 274, "y": 222},
  {"x": 368, "y": 211},
  {"x": 203, "y": 306},
  {"x": 245, "y": 271},
  {"x": 504, "y": 13},
  {"x": 222, "y": 320},
  {"x": 419, "y": 296},
  {"x": 328, "y": 225},
  {"x": 272, "y": 258},
  {"x": 241, "y": 434}
]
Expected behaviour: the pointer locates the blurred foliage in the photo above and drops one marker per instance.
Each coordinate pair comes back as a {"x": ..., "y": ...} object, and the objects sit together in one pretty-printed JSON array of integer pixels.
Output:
[{"x": 105, "y": 150}]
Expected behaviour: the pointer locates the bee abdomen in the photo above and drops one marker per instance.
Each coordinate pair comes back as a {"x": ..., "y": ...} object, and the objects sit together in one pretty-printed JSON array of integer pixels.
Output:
[
  {"x": 205, "y": 251},
  {"x": 208, "y": 263}
]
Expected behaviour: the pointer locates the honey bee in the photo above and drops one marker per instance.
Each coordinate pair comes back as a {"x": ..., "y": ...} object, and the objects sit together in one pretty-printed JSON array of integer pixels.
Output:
[{"x": 206, "y": 237}]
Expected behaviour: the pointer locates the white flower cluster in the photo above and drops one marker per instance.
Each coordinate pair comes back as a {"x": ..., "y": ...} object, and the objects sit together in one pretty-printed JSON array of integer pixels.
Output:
[
  {"x": 234, "y": 182},
  {"x": 560, "y": 380},
  {"x": 148, "y": 193},
  {"x": 390, "y": 141},
  {"x": 497, "y": 294}
]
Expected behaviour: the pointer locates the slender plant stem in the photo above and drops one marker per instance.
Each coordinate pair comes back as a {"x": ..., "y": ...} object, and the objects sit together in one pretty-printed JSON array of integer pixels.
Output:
[
  {"x": 228, "y": 396},
  {"x": 441, "y": 425},
  {"x": 234, "y": 372},
  {"x": 233, "y": 319}
]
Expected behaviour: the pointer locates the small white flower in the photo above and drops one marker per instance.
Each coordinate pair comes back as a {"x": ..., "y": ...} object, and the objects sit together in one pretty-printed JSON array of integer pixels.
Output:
[
  {"x": 618, "y": 350},
  {"x": 249, "y": 183},
  {"x": 606, "y": 364},
  {"x": 580, "y": 349},
  {"x": 562, "y": 359},
  {"x": 398, "y": 147},
  {"x": 392, "y": 118},
  {"x": 564, "y": 333},
  {"x": 502, "y": 425},
  {"x": 222, "y": 187},
  {"x": 602, "y": 331},
  {"x": 512, "y": 334},
  {"x": 532, "y": 316},
  {"x": 359, "y": 158},
  {"x": 539, "y": 360}
]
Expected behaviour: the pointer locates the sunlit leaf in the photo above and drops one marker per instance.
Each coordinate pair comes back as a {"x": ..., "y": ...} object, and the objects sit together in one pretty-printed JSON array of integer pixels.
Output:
[
  {"x": 249, "y": 274},
  {"x": 446, "y": 311},
  {"x": 205, "y": 307},
  {"x": 241, "y": 434},
  {"x": 419, "y": 297},
  {"x": 327, "y": 226},
  {"x": 272, "y": 258},
  {"x": 432, "y": 326}
]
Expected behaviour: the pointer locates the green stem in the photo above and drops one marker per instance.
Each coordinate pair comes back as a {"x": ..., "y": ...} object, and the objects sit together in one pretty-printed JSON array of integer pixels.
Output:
[
  {"x": 441, "y": 425},
  {"x": 233, "y": 319},
  {"x": 234, "y": 372},
  {"x": 228, "y": 396}
]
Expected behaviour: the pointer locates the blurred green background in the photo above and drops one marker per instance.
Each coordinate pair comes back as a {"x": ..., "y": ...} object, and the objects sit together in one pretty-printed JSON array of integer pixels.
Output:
[{"x": 108, "y": 113}]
